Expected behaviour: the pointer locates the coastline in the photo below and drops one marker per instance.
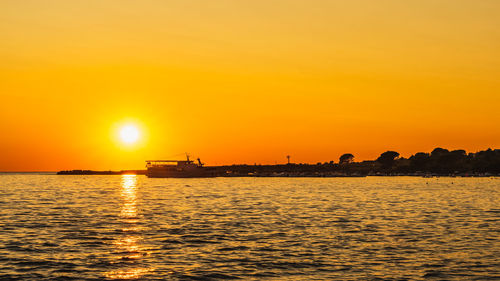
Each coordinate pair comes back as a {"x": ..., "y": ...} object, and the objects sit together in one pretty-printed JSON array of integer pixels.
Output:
[{"x": 229, "y": 173}]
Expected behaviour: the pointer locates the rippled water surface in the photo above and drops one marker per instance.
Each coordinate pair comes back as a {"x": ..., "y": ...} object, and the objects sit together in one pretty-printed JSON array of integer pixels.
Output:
[{"x": 131, "y": 227}]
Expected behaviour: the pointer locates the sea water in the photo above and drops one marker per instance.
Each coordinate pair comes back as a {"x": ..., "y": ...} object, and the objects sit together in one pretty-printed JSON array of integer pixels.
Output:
[{"x": 132, "y": 227}]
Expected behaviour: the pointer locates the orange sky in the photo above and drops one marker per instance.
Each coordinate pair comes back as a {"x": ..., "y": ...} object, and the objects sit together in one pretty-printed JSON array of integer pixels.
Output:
[{"x": 244, "y": 81}]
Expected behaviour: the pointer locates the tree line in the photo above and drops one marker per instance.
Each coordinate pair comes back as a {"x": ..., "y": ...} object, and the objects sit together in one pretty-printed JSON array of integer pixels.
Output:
[{"x": 439, "y": 162}]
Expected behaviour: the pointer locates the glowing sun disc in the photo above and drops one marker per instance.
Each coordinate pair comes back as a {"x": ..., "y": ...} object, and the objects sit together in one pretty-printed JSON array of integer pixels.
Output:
[{"x": 129, "y": 134}]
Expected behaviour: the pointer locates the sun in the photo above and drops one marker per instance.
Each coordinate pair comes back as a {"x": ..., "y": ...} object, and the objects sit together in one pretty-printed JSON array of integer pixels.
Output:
[{"x": 129, "y": 134}]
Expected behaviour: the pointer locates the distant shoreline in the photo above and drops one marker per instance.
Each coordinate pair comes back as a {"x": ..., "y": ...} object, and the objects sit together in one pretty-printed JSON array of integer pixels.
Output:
[
  {"x": 142, "y": 172},
  {"x": 29, "y": 172},
  {"x": 91, "y": 172},
  {"x": 439, "y": 163},
  {"x": 284, "y": 175}
]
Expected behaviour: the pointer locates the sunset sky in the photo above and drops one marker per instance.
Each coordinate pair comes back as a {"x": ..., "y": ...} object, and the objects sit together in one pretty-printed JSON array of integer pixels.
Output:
[{"x": 244, "y": 81}]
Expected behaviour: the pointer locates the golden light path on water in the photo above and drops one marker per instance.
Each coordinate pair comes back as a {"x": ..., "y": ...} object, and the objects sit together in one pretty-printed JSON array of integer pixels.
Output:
[{"x": 129, "y": 243}]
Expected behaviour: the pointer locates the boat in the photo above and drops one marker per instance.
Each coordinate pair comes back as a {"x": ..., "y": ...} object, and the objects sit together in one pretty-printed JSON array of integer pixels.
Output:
[{"x": 178, "y": 169}]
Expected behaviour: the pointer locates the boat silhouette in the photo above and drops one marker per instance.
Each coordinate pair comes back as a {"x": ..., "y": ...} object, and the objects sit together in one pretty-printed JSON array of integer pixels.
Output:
[{"x": 178, "y": 169}]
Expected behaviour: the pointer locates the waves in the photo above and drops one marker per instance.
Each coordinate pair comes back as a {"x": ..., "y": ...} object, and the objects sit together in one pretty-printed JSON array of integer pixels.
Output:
[{"x": 135, "y": 228}]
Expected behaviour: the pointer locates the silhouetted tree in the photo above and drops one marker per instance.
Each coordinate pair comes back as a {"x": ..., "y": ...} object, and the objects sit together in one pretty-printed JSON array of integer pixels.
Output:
[
  {"x": 445, "y": 162},
  {"x": 402, "y": 165},
  {"x": 420, "y": 161},
  {"x": 456, "y": 161},
  {"x": 388, "y": 158},
  {"x": 438, "y": 151},
  {"x": 346, "y": 158},
  {"x": 487, "y": 161}
]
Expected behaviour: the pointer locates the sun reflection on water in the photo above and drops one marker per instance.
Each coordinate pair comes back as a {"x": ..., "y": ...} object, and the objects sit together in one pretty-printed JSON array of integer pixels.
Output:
[
  {"x": 129, "y": 196},
  {"x": 128, "y": 245}
]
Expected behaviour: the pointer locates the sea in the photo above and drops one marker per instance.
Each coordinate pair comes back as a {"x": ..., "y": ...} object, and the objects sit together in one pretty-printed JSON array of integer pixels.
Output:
[{"x": 131, "y": 227}]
